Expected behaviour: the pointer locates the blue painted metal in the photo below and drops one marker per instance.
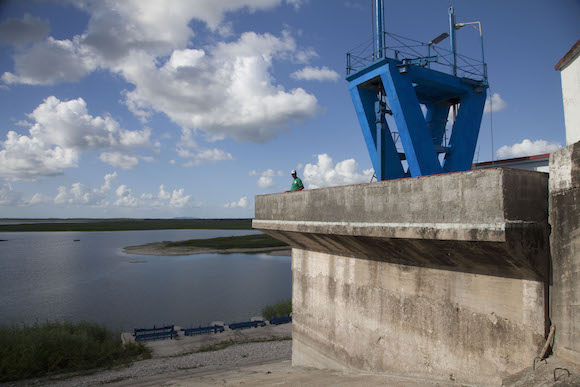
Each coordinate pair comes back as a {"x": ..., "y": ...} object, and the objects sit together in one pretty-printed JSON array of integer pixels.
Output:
[
  {"x": 203, "y": 330},
  {"x": 281, "y": 320},
  {"x": 399, "y": 87},
  {"x": 452, "y": 39},
  {"x": 380, "y": 28}
]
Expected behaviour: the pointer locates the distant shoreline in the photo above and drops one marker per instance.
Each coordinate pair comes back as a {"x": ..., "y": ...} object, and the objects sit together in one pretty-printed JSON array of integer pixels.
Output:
[{"x": 162, "y": 249}]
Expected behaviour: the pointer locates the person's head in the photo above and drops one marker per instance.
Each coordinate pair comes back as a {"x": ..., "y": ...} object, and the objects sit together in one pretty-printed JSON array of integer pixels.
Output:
[{"x": 293, "y": 173}]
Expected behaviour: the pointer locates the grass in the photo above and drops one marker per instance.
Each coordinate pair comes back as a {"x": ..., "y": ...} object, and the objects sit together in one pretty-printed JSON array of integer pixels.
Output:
[
  {"x": 282, "y": 308},
  {"x": 235, "y": 242},
  {"x": 129, "y": 224},
  {"x": 57, "y": 347}
]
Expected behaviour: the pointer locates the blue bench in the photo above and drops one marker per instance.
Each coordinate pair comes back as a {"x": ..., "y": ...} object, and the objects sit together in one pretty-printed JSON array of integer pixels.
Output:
[
  {"x": 203, "y": 330},
  {"x": 247, "y": 324},
  {"x": 155, "y": 333},
  {"x": 280, "y": 320}
]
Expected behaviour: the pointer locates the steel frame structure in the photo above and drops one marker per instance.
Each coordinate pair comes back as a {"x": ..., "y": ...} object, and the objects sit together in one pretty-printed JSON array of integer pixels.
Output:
[{"x": 398, "y": 86}]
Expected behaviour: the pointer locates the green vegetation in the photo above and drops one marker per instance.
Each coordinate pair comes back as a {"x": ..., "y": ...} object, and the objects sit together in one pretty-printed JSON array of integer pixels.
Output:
[
  {"x": 280, "y": 309},
  {"x": 235, "y": 242},
  {"x": 126, "y": 224},
  {"x": 55, "y": 347}
]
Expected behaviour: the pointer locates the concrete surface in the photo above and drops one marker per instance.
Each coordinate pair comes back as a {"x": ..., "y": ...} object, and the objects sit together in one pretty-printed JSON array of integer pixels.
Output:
[
  {"x": 431, "y": 221},
  {"x": 441, "y": 277},
  {"x": 280, "y": 373},
  {"x": 357, "y": 314},
  {"x": 187, "y": 344},
  {"x": 565, "y": 248}
]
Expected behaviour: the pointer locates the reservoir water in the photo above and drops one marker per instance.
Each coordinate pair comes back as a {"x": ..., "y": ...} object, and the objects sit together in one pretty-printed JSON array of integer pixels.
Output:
[{"x": 50, "y": 276}]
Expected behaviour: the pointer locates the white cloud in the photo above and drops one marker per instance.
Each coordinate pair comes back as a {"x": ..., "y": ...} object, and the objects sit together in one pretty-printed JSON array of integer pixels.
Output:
[
  {"x": 8, "y": 197},
  {"x": 527, "y": 148},
  {"x": 109, "y": 178},
  {"x": 178, "y": 199},
  {"x": 227, "y": 90},
  {"x": 266, "y": 177},
  {"x": 23, "y": 31},
  {"x": 40, "y": 198},
  {"x": 60, "y": 132},
  {"x": 326, "y": 174},
  {"x": 199, "y": 155},
  {"x": 495, "y": 102},
  {"x": 242, "y": 203},
  {"x": 51, "y": 61},
  {"x": 117, "y": 159},
  {"x": 316, "y": 74},
  {"x": 125, "y": 197},
  {"x": 224, "y": 89}
]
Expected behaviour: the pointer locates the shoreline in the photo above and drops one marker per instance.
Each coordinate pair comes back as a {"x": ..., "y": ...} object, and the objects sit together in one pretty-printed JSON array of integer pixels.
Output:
[{"x": 160, "y": 249}]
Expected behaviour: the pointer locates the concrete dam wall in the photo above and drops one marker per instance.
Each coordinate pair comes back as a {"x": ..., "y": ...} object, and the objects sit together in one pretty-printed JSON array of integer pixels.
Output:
[{"x": 441, "y": 276}]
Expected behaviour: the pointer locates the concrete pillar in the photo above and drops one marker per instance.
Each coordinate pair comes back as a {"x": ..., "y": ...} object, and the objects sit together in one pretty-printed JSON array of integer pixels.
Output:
[
  {"x": 565, "y": 249},
  {"x": 441, "y": 276}
]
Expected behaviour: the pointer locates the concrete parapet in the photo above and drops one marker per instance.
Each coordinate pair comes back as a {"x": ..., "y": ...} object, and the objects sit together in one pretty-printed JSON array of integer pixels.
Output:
[
  {"x": 431, "y": 221},
  {"x": 440, "y": 276},
  {"x": 565, "y": 248}
]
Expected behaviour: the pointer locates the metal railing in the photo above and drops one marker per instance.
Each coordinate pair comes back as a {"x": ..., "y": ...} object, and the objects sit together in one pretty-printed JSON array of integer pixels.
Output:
[{"x": 420, "y": 53}]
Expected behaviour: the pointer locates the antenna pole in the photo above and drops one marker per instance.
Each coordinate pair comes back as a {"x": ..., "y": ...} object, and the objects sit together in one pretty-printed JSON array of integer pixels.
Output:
[{"x": 380, "y": 27}]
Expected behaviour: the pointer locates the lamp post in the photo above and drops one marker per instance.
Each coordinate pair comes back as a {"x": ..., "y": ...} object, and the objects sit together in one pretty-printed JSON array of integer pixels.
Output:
[{"x": 477, "y": 26}]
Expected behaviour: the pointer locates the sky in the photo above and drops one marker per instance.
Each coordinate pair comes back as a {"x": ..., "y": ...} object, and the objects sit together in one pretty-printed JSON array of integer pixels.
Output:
[{"x": 190, "y": 108}]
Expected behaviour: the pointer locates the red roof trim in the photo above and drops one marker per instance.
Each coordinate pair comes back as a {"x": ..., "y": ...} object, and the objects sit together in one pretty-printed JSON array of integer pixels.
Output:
[
  {"x": 515, "y": 159},
  {"x": 570, "y": 55}
]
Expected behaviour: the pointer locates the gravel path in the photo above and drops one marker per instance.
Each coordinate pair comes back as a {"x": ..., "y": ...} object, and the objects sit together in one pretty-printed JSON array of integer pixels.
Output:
[{"x": 234, "y": 356}]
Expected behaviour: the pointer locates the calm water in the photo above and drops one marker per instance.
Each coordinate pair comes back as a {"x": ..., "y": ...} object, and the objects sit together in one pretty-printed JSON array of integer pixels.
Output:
[{"x": 47, "y": 275}]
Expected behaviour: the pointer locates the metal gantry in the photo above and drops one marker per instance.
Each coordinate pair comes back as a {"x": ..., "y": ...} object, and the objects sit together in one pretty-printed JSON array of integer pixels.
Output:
[{"x": 413, "y": 87}]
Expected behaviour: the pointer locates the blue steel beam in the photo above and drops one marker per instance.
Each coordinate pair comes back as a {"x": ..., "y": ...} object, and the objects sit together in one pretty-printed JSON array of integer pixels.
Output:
[
  {"x": 465, "y": 132},
  {"x": 382, "y": 150},
  {"x": 413, "y": 131},
  {"x": 436, "y": 118}
]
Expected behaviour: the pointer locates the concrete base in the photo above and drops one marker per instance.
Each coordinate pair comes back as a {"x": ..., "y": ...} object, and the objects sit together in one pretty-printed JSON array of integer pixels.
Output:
[
  {"x": 565, "y": 247},
  {"x": 440, "y": 276},
  {"x": 358, "y": 314}
]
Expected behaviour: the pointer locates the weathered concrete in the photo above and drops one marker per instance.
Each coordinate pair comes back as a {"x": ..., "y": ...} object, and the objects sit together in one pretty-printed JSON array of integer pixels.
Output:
[
  {"x": 431, "y": 221},
  {"x": 565, "y": 248},
  {"x": 440, "y": 276}
]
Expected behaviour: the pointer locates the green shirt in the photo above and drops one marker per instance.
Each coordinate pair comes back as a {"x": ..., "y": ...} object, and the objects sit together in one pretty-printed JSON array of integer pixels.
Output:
[{"x": 296, "y": 184}]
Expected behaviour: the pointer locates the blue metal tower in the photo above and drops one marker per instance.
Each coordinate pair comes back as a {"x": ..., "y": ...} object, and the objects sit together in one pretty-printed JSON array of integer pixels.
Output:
[{"x": 417, "y": 90}]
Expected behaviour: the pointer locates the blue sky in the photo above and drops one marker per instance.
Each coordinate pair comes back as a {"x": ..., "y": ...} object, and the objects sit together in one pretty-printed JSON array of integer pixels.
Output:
[{"x": 142, "y": 108}]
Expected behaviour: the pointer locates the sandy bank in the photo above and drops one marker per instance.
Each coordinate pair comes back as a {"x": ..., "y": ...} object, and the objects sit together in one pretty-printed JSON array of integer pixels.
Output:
[{"x": 160, "y": 249}]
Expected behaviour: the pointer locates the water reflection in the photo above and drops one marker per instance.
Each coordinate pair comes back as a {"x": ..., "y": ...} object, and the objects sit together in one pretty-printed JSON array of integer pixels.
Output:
[{"x": 46, "y": 275}]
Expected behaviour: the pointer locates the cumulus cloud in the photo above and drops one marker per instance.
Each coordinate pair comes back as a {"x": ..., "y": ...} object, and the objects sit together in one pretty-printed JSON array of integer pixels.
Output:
[
  {"x": 8, "y": 197},
  {"x": 325, "y": 173},
  {"x": 60, "y": 131},
  {"x": 315, "y": 74},
  {"x": 242, "y": 203},
  {"x": 51, "y": 61},
  {"x": 108, "y": 184},
  {"x": 266, "y": 178},
  {"x": 527, "y": 148},
  {"x": 199, "y": 155},
  {"x": 495, "y": 102},
  {"x": 23, "y": 31},
  {"x": 117, "y": 159},
  {"x": 224, "y": 89}
]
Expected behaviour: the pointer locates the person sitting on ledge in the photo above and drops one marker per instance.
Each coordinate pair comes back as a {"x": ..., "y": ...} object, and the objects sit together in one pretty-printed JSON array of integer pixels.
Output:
[{"x": 297, "y": 183}]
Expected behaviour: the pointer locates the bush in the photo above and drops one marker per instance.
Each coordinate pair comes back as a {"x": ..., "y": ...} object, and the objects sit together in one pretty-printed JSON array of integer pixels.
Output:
[
  {"x": 54, "y": 347},
  {"x": 280, "y": 309}
]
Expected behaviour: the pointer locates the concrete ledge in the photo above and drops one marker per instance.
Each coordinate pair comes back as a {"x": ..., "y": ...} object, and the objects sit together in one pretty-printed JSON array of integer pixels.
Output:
[
  {"x": 490, "y": 221},
  {"x": 565, "y": 248}
]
